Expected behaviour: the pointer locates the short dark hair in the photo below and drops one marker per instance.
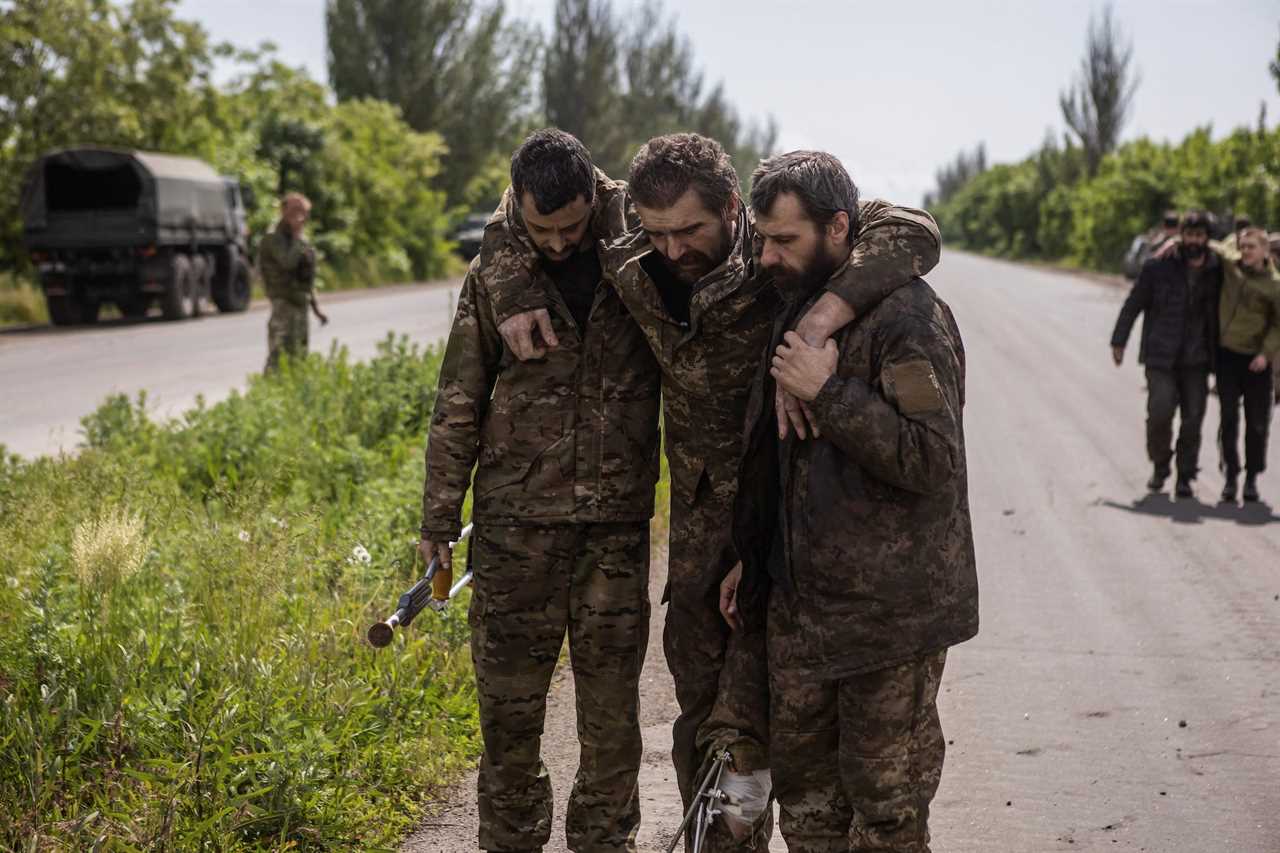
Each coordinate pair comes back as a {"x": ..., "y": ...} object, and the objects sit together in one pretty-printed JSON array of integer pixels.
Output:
[
  {"x": 555, "y": 168},
  {"x": 1197, "y": 219},
  {"x": 666, "y": 167},
  {"x": 1171, "y": 219},
  {"x": 1243, "y": 222},
  {"x": 817, "y": 179}
]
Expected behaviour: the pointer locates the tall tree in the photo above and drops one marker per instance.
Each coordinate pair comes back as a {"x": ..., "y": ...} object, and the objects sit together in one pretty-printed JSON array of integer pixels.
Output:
[
  {"x": 457, "y": 67},
  {"x": 1096, "y": 105}
]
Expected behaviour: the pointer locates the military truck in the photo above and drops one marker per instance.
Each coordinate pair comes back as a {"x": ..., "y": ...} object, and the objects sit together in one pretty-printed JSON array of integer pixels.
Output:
[{"x": 134, "y": 228}]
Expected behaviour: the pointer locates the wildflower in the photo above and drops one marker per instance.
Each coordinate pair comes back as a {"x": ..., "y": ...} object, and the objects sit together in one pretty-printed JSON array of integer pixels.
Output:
[
  {"x": 361, "y": 555},
  {"x": 108, "y": 550},
  {"x": 244, "y": 536}
]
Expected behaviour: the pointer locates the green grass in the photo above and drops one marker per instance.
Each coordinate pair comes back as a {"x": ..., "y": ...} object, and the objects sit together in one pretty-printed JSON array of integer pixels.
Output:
[
  {"x": 182, "y": 612},
  {"x": 21, "y": 302}
]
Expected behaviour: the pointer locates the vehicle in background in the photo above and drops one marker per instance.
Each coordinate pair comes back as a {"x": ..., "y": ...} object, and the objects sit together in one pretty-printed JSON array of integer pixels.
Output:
[
  {"x": 469, "y": 233},
  {"x": 133, "y": 228}
]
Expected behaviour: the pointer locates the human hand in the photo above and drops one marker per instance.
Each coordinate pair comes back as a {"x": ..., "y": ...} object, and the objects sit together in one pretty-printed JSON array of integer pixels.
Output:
[
  {"x": 791, "y": 412},
  {"x": 729, "y": 597},
  {"x": 1117, "y": 355},
  {"x": 1259, "y": 363},
  {"x": 443, "y": 578},
  {"x": 802, "y": 370},
  {"x": 1167, "y": 248},
  {"x": 518, "y": 334}
]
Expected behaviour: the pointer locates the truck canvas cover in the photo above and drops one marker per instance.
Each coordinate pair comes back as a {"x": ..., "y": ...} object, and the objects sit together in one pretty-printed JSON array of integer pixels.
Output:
[{"x": 102, "y": 197}]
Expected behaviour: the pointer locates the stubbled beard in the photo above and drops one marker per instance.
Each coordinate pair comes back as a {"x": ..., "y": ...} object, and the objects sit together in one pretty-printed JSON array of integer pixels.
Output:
[
  {"x": 815, "y": 273},
  {"x": 698, "y": 264},
  {"x": 1194, "y": 251}
]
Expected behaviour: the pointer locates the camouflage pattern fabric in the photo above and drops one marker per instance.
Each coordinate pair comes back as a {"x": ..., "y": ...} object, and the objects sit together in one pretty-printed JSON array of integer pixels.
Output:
[
  {"x": 288, "y": 331},
  {"x": 531, "y": 586},
  {"x": 287, "y": 265},
  {"x": 857, "y": 760},
  {"x": 707, "y": 369},
  {"x": 572, "y": 437}
]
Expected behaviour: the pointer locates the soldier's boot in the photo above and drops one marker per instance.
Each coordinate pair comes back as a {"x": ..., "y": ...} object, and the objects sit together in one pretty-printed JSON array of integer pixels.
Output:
[
  {"x": 1251, "y": 487},
  {"x": 1183, "y": 488},
  {"x": 1229, "y": 490},
  {"x": 1158, "y": 476}
]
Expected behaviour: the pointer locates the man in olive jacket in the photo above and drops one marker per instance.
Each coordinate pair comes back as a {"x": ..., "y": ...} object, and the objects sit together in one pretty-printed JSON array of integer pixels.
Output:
[
  {"x": 1178, "y": 296},
  {"x": 287, "y": 263},
  {"x": 567, "y": 452},
  {"x": 857, "y": 544}
]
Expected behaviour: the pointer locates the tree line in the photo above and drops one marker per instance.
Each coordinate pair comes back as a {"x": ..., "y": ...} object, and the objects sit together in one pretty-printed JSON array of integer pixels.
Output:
[
  {"x": 1082, "y": 197},
  {"x": 425, "y": 101}
]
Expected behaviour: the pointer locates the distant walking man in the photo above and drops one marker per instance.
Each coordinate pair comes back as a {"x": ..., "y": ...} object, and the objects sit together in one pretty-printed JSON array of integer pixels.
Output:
[
  {"x": 287, "y": 263},
  {"x": 1178, "y": 296}
]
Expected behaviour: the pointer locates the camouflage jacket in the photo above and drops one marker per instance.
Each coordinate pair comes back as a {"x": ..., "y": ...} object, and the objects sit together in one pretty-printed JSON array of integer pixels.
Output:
[
  {"x": 569, "y": 438},
  {"x": 868, "y": 538},
  {"x": 708, "y": 364},
  {"x": 287, "y": 265}
]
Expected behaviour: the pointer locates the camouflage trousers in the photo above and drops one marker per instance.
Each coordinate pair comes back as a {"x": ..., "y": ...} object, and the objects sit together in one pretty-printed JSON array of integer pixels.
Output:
[
  {"x": 287, "y": 332},
  {"x": 703, "y": 654},
  {"x": 857, "y": 761},
  {"x": 531, "y": 586}
]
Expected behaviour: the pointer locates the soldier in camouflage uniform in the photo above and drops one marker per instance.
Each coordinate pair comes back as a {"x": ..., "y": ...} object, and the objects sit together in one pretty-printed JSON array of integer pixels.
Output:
[
  {"x": 690, "y": 280},
  {"x": 857, "y": 546},
  {"x": 287, "y": 263},
  {"x": 567, "y": 451}
]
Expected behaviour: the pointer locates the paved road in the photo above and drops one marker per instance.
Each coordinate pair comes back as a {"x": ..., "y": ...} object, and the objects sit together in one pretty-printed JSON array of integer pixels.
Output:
[
  {"x": 1110, "y": 618},
  {"x": 50, "y": 378}
]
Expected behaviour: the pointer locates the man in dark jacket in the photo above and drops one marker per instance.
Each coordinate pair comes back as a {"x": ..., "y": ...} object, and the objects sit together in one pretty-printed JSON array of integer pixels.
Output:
[
  {"x": 1178, "y": 296},
  {"x": 857, "y": 543}
]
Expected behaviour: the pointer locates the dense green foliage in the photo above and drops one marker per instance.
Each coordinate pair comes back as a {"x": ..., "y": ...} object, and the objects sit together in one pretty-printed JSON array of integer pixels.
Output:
[
  {"x": 615, "y": 82},
  {"x": 1045, "y": 207},
  {"x": 134, "y": 75},
  {"x": 182, "y": 663}
]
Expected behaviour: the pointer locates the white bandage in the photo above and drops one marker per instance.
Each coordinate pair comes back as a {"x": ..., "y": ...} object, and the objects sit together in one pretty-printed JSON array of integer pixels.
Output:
[{"x": 746, "y": 800}]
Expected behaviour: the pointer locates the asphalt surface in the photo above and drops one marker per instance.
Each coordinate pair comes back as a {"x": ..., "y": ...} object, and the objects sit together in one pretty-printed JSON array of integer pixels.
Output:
[
  {"x": 1124, "y": 692},
  {"x": 50, "y": 378}
]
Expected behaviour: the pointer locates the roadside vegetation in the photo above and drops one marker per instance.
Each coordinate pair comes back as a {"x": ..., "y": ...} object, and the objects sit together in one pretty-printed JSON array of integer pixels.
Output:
[
  {"x": 182, "y": 663},
  {"x": 182, "y": 621},
  {"x": 1082, "y": 198}
]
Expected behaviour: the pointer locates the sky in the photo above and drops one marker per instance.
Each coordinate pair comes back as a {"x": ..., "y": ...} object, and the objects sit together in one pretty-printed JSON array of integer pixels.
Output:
[{"x": 896, "y": 89}]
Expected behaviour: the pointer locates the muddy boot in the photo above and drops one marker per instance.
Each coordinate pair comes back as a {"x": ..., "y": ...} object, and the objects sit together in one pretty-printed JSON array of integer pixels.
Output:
[
  {"x": 1158, "y": 476},
  {"x": 1251, "y": 488},
  {"x": 1229, "y": 490},
  {"x": 1183, "y": 488}
]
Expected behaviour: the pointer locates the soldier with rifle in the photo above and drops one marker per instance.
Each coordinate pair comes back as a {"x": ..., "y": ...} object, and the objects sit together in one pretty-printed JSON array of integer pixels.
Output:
[{"x": 287, "y": 263}]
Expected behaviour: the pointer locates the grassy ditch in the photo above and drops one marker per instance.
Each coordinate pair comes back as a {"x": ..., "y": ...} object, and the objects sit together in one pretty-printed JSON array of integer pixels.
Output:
[{"x": 182, "y": 609}]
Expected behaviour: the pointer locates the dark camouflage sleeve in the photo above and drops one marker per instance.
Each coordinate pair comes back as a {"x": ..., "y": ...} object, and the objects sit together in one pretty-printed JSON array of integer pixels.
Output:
[
  {"x": 893, "y": 245},
  {"x": 907, "y": 433},
  {"x": 1135, "y": 303},
  {"x": 467, "y": 376}
]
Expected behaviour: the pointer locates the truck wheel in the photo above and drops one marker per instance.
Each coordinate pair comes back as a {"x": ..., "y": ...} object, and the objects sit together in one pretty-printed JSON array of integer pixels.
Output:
[
  {"x": 175, "y": 302},
  {"x": 235, "y": 296}
]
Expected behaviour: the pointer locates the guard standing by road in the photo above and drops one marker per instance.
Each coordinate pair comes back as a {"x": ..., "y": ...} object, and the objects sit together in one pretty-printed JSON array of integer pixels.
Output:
[
  {"x": 1178, "y": 296},
  {"x": 287, "y": 263}
]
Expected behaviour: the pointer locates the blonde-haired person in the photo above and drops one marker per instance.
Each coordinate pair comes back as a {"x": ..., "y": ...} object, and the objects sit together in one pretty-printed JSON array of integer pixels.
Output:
[{"x": 1249, "y": 341}]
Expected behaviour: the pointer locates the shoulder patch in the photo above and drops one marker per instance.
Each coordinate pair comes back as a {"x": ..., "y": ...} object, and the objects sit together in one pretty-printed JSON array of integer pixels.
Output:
[{"x": 913, "y": 387}]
